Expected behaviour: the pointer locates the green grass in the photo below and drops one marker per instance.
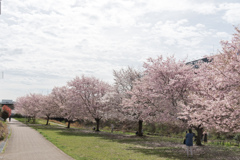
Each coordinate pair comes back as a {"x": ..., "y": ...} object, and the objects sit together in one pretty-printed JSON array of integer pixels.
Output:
[
  {"x": 38, "y": 121},
  {"x": 88, "y": 145},
  {"x": 102, "y": 145},
  {"x": 81, "y": 145}
]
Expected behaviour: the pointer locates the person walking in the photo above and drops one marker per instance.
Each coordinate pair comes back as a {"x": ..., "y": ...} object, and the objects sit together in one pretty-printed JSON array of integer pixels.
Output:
[{"x": 189, "y": 142}]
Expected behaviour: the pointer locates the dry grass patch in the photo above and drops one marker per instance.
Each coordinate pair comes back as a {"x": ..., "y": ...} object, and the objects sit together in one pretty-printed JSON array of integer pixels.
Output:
[{"x": 3, "y": 131}]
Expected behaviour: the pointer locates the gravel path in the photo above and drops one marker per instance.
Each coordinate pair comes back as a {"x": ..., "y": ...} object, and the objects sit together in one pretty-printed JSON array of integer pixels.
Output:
[{"x": 27, "y": 144}]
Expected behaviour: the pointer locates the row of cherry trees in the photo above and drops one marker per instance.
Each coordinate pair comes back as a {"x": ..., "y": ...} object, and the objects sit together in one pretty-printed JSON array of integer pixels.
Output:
[
  {"x": 167, "y": 91},
  {"x": 81, "y": 98}
]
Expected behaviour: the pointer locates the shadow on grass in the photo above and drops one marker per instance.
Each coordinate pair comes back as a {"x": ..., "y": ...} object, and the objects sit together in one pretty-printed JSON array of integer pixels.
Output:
[{"x": 163, "y": 152}]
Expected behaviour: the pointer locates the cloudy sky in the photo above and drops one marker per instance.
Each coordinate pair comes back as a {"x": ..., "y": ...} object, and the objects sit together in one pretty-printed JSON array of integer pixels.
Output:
[{"x": 45, "y": 43}]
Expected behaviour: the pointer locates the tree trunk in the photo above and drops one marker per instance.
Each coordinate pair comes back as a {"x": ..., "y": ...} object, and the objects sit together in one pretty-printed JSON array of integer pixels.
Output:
[
  {"x": 140, "y": 133},
  {"x": 98, "y": 122},
  {"x": 199, "y": 136},
  {"x": 47, "y": 120},
  {"x": 69, "y": 122}
]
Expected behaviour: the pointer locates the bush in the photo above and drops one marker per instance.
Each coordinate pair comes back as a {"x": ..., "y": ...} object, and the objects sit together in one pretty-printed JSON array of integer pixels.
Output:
[
  {"x": 3, "y": 130},
  {"x": 5, "y": 115},
  {"x": 18, "y": 115},
  {"x": 237, "y": 138}
]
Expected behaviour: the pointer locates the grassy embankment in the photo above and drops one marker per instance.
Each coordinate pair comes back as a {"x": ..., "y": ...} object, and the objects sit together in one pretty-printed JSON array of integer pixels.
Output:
[
  {"x": 86, "y": 144},
  {"x": 3, "y": 130}
]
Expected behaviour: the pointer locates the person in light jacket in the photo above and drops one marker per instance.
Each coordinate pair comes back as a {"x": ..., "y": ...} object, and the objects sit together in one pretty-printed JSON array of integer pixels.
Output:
[{"x": 189, "y": 142}]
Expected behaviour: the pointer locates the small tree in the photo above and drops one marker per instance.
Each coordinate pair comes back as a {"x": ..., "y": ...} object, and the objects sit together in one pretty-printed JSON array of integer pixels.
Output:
[
  {"x": 49, "y": 108},
  {"x": 91, "y": 93},
  {"x": 7, "y": 109},
  {"x": 66, "y": 102},
  {"x": 5, "y": 115}
]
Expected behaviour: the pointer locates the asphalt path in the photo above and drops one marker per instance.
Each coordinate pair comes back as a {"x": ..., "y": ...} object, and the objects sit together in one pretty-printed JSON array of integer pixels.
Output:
[{"x": 26, "y": 143}]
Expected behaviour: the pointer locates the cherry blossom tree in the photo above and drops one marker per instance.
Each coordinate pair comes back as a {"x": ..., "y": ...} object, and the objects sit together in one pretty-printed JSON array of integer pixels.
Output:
[
  {"x": 49, "y": 108},
  {"x": 124, "y": 80},
  {"x": 20, "y": 105},
  {"x": 226, "y": 76},
  {"x": 29, "y": 105},
  {"x": 214, "y": 104},
  {"x": 69, "y": 107},
  {"x": 135, "y": 108},
  {"x": 91, "y": 92},
  {"x": 164, "y": 84}
]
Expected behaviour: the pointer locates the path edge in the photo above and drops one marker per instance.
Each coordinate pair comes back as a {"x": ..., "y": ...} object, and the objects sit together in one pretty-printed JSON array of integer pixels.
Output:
[{"x": 3, "y": 144}]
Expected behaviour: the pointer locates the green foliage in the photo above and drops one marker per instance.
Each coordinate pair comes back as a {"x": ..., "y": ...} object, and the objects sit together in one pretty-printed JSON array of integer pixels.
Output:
[
  {"x": 132, "y": 126},
  {"x": 38, "y": 121},
  {"x": 237, "y": 138},
  {"x": 5, "y": 115},
  {"x": 18, "y": 116},
  {"x": 106, "y": 128},
  {"x": 166, "y": 129}
]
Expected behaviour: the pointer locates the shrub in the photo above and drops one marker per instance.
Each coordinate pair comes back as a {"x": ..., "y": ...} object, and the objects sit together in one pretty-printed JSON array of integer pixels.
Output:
[
  {"x": 237, "y": 138},
  {"x": 5, "y": 115},
  {"x": 17, "y": 115}
]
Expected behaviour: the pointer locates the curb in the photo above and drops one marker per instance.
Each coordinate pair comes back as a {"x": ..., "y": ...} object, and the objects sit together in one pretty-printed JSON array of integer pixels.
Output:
[{"x": 3, "y": 143}]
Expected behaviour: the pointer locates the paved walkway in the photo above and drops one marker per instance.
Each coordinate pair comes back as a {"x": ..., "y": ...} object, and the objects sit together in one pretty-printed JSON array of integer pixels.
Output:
[{"x": 26, "y": 143}]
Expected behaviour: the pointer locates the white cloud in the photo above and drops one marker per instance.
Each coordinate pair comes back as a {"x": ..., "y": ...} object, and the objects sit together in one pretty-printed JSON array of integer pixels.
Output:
[
  {"x": 223, "y": 35},
  {"x": 46, "y": 43},
  {"x": 232, "y": 14},
  {"x": 181, "y": 32}
]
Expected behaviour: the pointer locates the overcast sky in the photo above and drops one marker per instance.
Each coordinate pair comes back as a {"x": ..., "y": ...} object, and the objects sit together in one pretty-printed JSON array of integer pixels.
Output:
[{"x": 45, "y": 43}]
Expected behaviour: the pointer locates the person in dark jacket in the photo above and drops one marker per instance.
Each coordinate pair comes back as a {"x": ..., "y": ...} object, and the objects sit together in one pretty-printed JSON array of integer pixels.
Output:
[{"x": 189, "y": 142}]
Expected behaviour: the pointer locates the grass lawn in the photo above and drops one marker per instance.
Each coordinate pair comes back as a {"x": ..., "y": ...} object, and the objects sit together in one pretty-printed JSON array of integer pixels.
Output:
[
  {"x": 86, "y": 145},
  {"x": 82, "y": 145},
  {"x": 38, "y": 121}
]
